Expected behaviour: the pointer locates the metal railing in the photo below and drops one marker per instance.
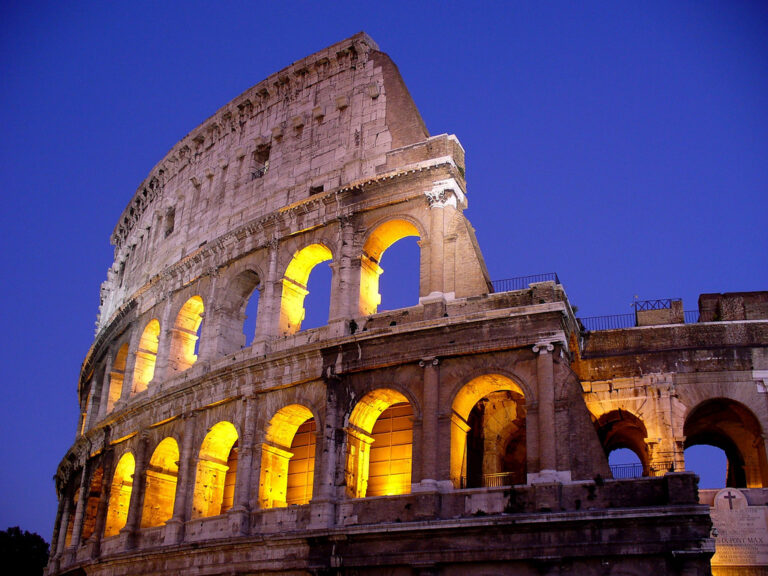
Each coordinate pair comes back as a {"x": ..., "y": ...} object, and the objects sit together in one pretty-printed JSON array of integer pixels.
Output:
[
  {"x": 624, "y": 471},
  {"x": 522, "y": 282},
  {"x": 490, "y": 480},
  {"x": 615, "y": 322},
  {"x": 691, "y": 316},
  {"x": 621, "y": 321}
]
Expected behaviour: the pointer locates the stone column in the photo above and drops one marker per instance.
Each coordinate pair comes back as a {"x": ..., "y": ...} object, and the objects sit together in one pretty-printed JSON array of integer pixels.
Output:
[
  {"x": 546, "y": 416},
  {"x": 162, "y": 361},
  {"x": 546, "y": 393},
  {"x": 269, "y": 302},
  {"x": 62, "y": 535},
  {"x": 174, "y": 528},
  {"x": 240, "y": 513},
  {"x": 343, "y": 297},
  {"x": 323, "y": 504},
  {"x": 131, "y": 528},
  {"x": 430, "y": 441},
  {"x": 77, "y": 525},
  {"x": 107, "y": 461},
  {"x": 445, "y": 195},
  {"x": 106, "y": 384},
  {"x": 209, "y": 334}
]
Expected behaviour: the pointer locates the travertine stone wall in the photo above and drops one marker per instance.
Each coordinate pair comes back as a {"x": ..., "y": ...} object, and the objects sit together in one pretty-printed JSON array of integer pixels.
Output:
[{"x": 499, "y": 408}]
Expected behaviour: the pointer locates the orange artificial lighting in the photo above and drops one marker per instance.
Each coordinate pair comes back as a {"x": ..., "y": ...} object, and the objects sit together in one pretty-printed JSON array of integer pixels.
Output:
[{"x": 382, "y": 238}]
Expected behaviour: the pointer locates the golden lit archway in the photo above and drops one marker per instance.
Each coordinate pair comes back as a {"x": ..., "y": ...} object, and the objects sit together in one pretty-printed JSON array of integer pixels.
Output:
[
  {"x": 488, "y": 433},
  {"x": 185, "y": 334},
  {"x": 160, "y": 490},
  {"x": 146, "y": 356},
  {"x": 295, "y": 285},
  {"x": 216, "y": 471},
  {"x": 117, "y": 376},
  {"x": 120, "y": 495},
  {"x": 377, "y": 243},
  {"x": 288, "y": 458},
  {"x": 380, "y": 445}
]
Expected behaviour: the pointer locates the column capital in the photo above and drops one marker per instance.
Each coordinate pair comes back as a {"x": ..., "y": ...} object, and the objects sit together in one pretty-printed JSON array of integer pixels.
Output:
[
  {"x": 446, "y": 193},
  {"x": 429, "y": 361},
  {"x": 547, "y": 344}
]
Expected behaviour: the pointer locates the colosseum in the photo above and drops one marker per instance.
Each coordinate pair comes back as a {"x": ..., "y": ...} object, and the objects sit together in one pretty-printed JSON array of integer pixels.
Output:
[{"x": 468, "y": 433}]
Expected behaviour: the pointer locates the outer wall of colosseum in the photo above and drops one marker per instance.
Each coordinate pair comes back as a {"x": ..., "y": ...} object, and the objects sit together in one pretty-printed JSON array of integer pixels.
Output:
[{"x": 468, "y": 433}]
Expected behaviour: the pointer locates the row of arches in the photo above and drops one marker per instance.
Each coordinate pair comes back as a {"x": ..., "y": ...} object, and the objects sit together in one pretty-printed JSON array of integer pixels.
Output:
[
  {"x": 717, "y": 429},
  {"x": 487, "y": 441},
  {"x": 239, "y": 313}
]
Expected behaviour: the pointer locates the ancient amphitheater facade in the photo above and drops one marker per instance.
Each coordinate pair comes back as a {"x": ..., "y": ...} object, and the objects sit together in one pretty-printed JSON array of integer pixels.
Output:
[{"x": 467, "y": 433}]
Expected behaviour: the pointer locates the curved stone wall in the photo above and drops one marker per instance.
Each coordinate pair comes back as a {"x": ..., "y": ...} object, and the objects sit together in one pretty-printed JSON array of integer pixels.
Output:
[{"x": 299, "y": 450}]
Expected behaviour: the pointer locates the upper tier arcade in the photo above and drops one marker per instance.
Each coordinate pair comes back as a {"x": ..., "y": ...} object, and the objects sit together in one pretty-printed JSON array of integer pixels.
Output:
[{"x": 312, "y": 129}]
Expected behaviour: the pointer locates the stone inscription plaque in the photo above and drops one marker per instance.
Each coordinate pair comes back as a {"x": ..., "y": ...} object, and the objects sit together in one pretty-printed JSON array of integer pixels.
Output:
[{"x": 741, "y": 531}]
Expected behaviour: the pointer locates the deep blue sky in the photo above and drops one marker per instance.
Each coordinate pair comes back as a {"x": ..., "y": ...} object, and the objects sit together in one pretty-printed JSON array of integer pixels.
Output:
[{"x": 622, "y": 145}]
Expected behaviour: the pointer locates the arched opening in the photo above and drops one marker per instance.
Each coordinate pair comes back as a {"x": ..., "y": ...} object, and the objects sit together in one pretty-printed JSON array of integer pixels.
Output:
[
  {"x": 216, "y": 469},
  {"x": 160, "y": 490},
  {"x": 622, "y": 430},
  {"x": 734, "y": 429},
  {"x": 288, "y": 458},
  {"x": 146, "y": 356},
  {"x": 117, "y": 376},
  {"x": 186, "y": 334},
  {"x": 236, "y": 312},
  {"x": 295, "y": 286},
  {"x": 381, "y": 239},
  {"x": 120, "y": 495},
  {"x": 709, "y": 463},
  {"x": 251, "y": 306},
  {"x": 380, "y": 445},
  {"x": 93, "y": 496},
  {"x": 488, "y": 434}
]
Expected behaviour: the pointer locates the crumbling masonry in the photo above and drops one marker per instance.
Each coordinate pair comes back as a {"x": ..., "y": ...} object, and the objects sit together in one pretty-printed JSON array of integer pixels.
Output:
[{"x": 466, "y": 434}]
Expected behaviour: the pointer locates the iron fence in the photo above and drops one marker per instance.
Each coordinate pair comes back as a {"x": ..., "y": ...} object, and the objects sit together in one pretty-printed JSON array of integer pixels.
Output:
[
  {"x": 615, "y": 322},
  {"x": 624, "y": 471},
  {"x": 691, "y": 316},
  {"x": 490, "y": 480},
  {"x": 522, "y": 282}
]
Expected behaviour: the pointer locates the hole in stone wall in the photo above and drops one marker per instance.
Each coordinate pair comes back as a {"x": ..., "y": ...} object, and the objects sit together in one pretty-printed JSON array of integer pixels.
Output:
[
  {"x": 710, "y": 463},
  {"x": 318, "y": 301}
]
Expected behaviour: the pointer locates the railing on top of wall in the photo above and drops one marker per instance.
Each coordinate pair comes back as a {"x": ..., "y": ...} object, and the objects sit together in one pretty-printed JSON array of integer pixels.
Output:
[{"x": 522, "y": 282}]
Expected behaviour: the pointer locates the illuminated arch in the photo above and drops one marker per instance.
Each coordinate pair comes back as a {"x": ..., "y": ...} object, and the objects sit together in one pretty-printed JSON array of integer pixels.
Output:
[
  {"x": 146, "y": 356},
  {"x": 185, "y": 334},
  {"x": 295, "y": 285},
  {"x": 488, "y": 433},
  {"x": 117, "y": 376},
  {"x": 377, "y": 243},
  {"x": 621, "y": 429},
  {"x": 216, "y": 472},
  {"x": 732, "y": 427},
  {"x": 120, "y": 495},
  {"x": 160, "y": 491},
  {"x": 288, "y": 458},
  {"x": 380, "y": 445}
]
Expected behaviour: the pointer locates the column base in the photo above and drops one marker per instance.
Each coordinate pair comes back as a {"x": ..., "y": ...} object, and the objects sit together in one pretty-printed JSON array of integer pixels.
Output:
[
  {"x": 174, "y": 532},
  {"x": 239, "y": 521},
  {"x": 323, "y": 514},
  {"x": 550, "y": 477},
  {"x": 429, "y": 485}
]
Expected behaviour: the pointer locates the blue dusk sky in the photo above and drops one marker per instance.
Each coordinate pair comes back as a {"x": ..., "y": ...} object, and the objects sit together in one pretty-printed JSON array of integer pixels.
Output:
[{"x": 623, "y": 145}]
